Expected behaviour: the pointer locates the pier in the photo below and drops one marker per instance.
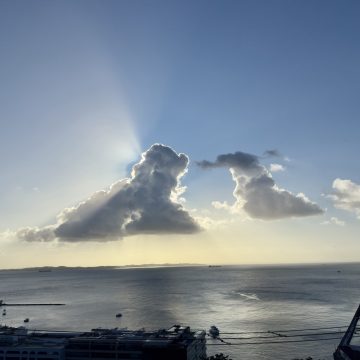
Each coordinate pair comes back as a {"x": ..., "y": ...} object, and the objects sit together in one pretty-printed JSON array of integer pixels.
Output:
[{"x": 2, "y": 303}]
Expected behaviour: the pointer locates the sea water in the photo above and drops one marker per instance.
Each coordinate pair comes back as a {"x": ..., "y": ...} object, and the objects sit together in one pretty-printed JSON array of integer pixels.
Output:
[{"x": 238, "y": 299}]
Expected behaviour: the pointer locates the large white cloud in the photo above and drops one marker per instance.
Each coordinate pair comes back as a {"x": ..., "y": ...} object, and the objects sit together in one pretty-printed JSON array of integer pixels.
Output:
[
  {"x": 145, "y": 203},
  {"x": 346, "y": 195},
  {"x": 256, "y": 192}
]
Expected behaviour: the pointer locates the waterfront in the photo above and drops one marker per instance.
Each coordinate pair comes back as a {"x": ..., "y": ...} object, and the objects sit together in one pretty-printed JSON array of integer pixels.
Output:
[{"x": 233, "y": 298}]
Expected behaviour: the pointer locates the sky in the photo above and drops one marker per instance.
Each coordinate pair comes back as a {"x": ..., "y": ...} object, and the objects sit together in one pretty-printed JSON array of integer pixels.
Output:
[{"x": 212, "y": 132}]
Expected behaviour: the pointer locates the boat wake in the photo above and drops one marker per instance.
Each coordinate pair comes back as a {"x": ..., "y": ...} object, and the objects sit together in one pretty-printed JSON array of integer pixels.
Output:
[{"x": 248, "y": 296}]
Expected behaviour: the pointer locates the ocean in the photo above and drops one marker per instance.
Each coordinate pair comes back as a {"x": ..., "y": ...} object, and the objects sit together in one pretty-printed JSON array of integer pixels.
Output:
[{"x": 250, "y": 300}]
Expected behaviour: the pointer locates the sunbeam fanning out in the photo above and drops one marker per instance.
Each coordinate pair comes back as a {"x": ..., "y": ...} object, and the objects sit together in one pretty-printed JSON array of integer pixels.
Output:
[
  {"x": 91, "y": 89},
  {"x": 72, "y": 127}
]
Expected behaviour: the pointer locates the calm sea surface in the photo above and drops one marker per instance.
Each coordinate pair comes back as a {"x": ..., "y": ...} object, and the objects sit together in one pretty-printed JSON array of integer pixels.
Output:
[{"x": 235, "y": 299}]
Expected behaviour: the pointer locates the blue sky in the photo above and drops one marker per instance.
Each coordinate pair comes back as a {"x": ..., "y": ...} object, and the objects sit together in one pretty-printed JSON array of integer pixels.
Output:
[{"x": 86, "y": 86}]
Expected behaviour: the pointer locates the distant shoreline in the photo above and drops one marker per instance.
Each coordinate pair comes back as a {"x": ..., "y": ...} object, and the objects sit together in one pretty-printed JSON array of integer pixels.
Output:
[
  {"x": 168, "y": 265},
  {"x": 113, "y": 267}
]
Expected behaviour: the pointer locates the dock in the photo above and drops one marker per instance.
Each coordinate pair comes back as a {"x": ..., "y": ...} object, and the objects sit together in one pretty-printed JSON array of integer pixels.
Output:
[{"x": 2, "y": 303}]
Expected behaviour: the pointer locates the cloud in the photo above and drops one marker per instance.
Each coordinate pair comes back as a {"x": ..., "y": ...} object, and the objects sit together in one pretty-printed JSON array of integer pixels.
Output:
[
  {"x": 145, "y": 203},
  {"x": 36, "y": 234},
  {"x": 272, "y": 153},
  {"x": 256, "y": 192},
  {"x": 276, "y": 168},
  {"x": 225, "y": 206},
  {"x": 240, "y": 160},
  {"x": 334, "y": 221},
  {"x": 346, "y": 195}
]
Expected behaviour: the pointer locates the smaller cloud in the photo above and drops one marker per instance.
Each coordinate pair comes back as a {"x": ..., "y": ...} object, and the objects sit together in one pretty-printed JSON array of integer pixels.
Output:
[
  {"x": 272, "y": 153},
  {"x": 36, "y": 234},
  {"x": 220, "y": 205},
  {"x": 276, "y": 168},
  {"x": 256, "y": 191},
  {"x": 235, "y": 160},
  {"x": 233, "y": 209},
  {"x": 334, "y": 221},
  {"x": 346, "y": 196}
]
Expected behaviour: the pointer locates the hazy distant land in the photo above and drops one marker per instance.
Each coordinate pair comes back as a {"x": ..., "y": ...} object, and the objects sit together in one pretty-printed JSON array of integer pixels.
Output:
[
  {"x": 54, "y": 268},
  {"x": 214, "y": 265}
]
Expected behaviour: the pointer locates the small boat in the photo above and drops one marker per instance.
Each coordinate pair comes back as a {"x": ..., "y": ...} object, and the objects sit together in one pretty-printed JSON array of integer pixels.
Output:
[
  {"x": 119, "y": 315},
  {"x": 26, "y": 320},
  {"x": 346, "y": 350}
]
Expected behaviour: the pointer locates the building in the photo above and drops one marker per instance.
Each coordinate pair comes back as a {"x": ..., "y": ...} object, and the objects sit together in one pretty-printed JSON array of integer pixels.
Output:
[{"x": 176, "y": 343}]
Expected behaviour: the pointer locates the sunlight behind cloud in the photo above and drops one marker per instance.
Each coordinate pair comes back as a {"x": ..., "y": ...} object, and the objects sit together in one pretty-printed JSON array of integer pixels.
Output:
[{"x": 74, "y": 129}]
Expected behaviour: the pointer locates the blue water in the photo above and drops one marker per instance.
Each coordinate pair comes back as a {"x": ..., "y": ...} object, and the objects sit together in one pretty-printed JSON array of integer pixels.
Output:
[{"x": 235, "y": 299}]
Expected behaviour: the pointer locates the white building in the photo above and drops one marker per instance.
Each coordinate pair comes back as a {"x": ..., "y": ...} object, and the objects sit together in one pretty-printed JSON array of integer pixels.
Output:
[{"x": 176, "y": 343}]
